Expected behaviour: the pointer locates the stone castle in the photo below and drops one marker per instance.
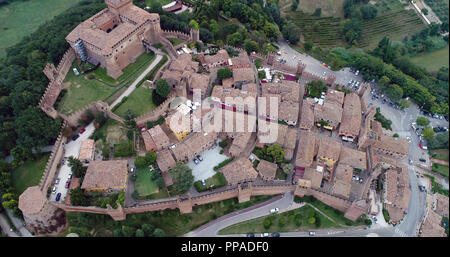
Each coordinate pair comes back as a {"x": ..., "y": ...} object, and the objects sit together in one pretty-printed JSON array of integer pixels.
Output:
[{"x": 115, "y": 36}]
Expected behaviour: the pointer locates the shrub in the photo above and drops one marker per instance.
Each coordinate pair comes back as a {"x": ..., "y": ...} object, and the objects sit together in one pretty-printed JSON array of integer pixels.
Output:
[
  {"x": 140, "y": 162},
  {"x": 223, "y": 143},
  {"x": 267, "y": 223},
  {"x": 282, "y": 222},
  {"x": 298, "y": 220}
]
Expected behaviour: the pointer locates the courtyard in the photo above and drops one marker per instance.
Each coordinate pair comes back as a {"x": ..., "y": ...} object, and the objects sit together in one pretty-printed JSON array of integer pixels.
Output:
[{"x": 205, "y": 169}]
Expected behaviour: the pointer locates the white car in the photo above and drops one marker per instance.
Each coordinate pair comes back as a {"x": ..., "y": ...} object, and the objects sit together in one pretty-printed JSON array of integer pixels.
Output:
[
  {"x": 57, "y": 181},
  {"x": 312, "y": 233},
  {"x": 54, "y": 190},
  {"x": 274, "y": 210},
  {"x": 264, "y": 234}
]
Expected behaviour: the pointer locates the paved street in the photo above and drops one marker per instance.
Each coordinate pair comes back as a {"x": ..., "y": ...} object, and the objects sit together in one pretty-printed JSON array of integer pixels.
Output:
[
  {"x": 214, "y": 227},
  {"x": 5, "y": 226}
]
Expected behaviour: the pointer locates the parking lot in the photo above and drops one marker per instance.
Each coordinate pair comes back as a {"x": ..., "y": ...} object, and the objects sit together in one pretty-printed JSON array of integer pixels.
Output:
[
  {"x": 205, "y": 169},
  {"x": 71, "y": 148}
]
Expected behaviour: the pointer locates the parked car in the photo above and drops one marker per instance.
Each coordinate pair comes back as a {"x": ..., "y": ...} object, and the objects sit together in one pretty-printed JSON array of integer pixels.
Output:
[
  {"x": 264, "y": 234},
  {"x": 274, "y": 210},
  {"x": 75, "y": 137},
  {"x": 199, "y": 158},
  {"x": 203, "y": 182},
  {"x": 422, "y": 160},
  {"x": 82, "y": 131},
  {"x": 58, "y": 196},
  {"x": 132, "y": 169},
  {"x": 250, "y": 235},
  {"x": 54, "y": 189},
  {"x": 68, "y": 183},
  {"x": 275, "y": 234},
  {"x": 196, "y": 161},
  {"x": 70, "y": 175},
  {"x": 360, "y": 180},
  {"x": 57, "y": 181},
  {"x": 312, "y": 233}
]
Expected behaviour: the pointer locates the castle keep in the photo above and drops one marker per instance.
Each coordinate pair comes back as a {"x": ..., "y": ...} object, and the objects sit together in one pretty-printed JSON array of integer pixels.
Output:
[{"x": 115, "y": 36}]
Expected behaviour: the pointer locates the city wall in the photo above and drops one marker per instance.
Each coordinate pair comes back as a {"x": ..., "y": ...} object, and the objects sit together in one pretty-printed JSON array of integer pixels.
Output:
[
  {"x": 52, "y": 164},
  {"x": 160, "y": 110}
]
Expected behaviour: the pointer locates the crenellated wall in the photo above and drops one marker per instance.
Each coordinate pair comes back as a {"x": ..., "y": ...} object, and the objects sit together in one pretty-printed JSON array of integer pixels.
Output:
[
  {"x": 154, "y": 114},
  {"x": 52, "y": 163},
  {"x": 176, "y": 34}
]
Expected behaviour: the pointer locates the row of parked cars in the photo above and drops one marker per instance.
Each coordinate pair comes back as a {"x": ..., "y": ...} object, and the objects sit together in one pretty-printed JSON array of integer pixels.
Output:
[{"x": 67, "y": 185}]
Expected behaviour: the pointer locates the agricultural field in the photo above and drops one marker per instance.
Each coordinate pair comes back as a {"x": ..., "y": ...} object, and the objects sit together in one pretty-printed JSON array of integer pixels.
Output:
[
  {"x": 21, "y": 18},
  {"x": 29, "y": 173},
  {"x": 139, "y": 102},
  {"x": 440, "y": 154},
  {"x": 395, "y": 25},
  {"x": 432, "y": 61},
  {"x": 323, "y": 31},
  {"x": 330, "y": 8},
  {"x": 440, "y": 8}
]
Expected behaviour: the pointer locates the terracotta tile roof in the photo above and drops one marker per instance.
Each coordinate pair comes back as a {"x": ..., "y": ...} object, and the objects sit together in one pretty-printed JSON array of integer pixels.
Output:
[
  {"x": 159, "y": 137},
  {"x": 267, "y": 170},
  {"x": 351, "y": 116},
  {"x": 240, "y": 142},
  {"x": 221, "y": 57},
  {"x": 329, "y": 111},
  {"x": 354, "y": 158},
  {"x": 199, "y": 81},
  {"x": 183, "y": 63},
  {"x": 106, "y": 175},
  {"x": 335, "y": 96},
  {"x": 431, "y": 226},
  {"x": 442, "y": 205},
  {"x": 306, "y": 149},
  {"x": 314, "y": 176},
  {"x": 342, "y": 180},
  {"x": 329, "y": 149},
  {"x": 243, "y": 75},
  {"x": 398, "y": 193},
  {"x": 288, "y": 111},
  {"x": 241, "y": 61},
  {"x": 32, "y": 200},
  {"x": 165, "y": 160},
  {"x": 86, "y": 149},
  {"x": 239, "y": 170},
  {"x": 307, "y": 114},
  {"x": 288, "y": 90},
  {"x": 228, "y": 83},
  {"x": 194, "y": 144},
  {"x": 391, "y": 144},
  {"x": 148, "y": 141}
]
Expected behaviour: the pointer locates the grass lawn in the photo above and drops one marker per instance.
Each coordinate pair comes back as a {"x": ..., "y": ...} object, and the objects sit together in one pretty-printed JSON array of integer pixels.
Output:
[
  {"x": 113, "y": 131},
  {"x": 29, "y": 173},
  {"x": 440, "y": 169},
  {"x": 175, "y": 41},
  {"x": 144, "y": 184},
  {"x": 216, "y": 181},
  {"x": 139, "y": 102},
  {"x": 432, "y": 61},
  {"x": 440, "y": 154},
  {"x": 21, "y": 18},
  {"x": 163, "y": 2},
  {"x": 171, "y": 221},
  {"x": 280, "y": 174},
  {"x": 82, "y": 91},
  {"x": 257, "y": 225}
]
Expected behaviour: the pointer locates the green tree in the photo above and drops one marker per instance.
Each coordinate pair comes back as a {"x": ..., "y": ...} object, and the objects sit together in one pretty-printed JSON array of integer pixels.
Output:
[
  {"x": 261, "y": 74},
  {"x": 194, "y": 25},
  {"x": 428, "y": 133},
  {"x": 317, "y": 12},
  {"x": 312, "y": 220},
  {"x": 250, "y": 46},
  {"x": 315, "y": 88},
  {"x": 140, "y": 233},
  {"x": 182, "y": 176},
  {"x": 404, "y": 104},
  {"x": 159, "y": 233},
  {"x": 384, "y": 81},
  {"x": 128, "y": 231},
  {"x": 214, "y": 27},
  {"x": 258, "y": 63},
  {"x": 368, "y": 12},
  {"x": 287, "y": 168},
  {"x": 162, "y": 88},
  {"x": 78, "y": 197},
  {"x": 100, "y": 118},
  {"x": 150, "y": 157},
  {"x": 235, "y": 39},
  {"x": 76, "y": 167},
  {"x": 308, "y": 45},
  {"x": 282, "y": 222},
  {"x": 271, "y": 31},
  {"x": 395, "y": 92},
  {"x": 140, "y": 162},
  {"x": 117, "y": 232},
  {"x": 277, "y": 152},
  {"x": 148, "y": 229},
  {"x": 425, "y": 11},
  {"x": 291, "y": 32},
  {"x": 224, "y": 73},
  {"x": 422, "y": 121}
]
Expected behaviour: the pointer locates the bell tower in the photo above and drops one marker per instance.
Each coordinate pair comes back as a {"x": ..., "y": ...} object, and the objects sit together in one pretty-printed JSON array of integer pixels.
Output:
[{"x": 116, "y": 5}]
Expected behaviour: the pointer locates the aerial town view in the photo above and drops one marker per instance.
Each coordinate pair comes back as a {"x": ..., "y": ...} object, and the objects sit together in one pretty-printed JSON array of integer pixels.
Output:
[{"x": 224, "y": 118}]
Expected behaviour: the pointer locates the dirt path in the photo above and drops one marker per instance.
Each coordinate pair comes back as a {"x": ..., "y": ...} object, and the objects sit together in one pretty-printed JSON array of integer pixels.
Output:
[{"x": 439, "y": 161}]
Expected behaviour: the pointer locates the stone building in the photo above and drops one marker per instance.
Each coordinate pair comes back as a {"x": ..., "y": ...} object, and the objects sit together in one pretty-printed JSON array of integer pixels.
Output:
[{"x": 115, "y": 36}]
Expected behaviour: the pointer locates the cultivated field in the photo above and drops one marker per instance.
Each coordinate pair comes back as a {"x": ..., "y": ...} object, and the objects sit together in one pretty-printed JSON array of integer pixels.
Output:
[
  {"x": 329, "y": 7},
  {"x": 432, "y": 61},
  {"x": 21, "y": 18}
]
